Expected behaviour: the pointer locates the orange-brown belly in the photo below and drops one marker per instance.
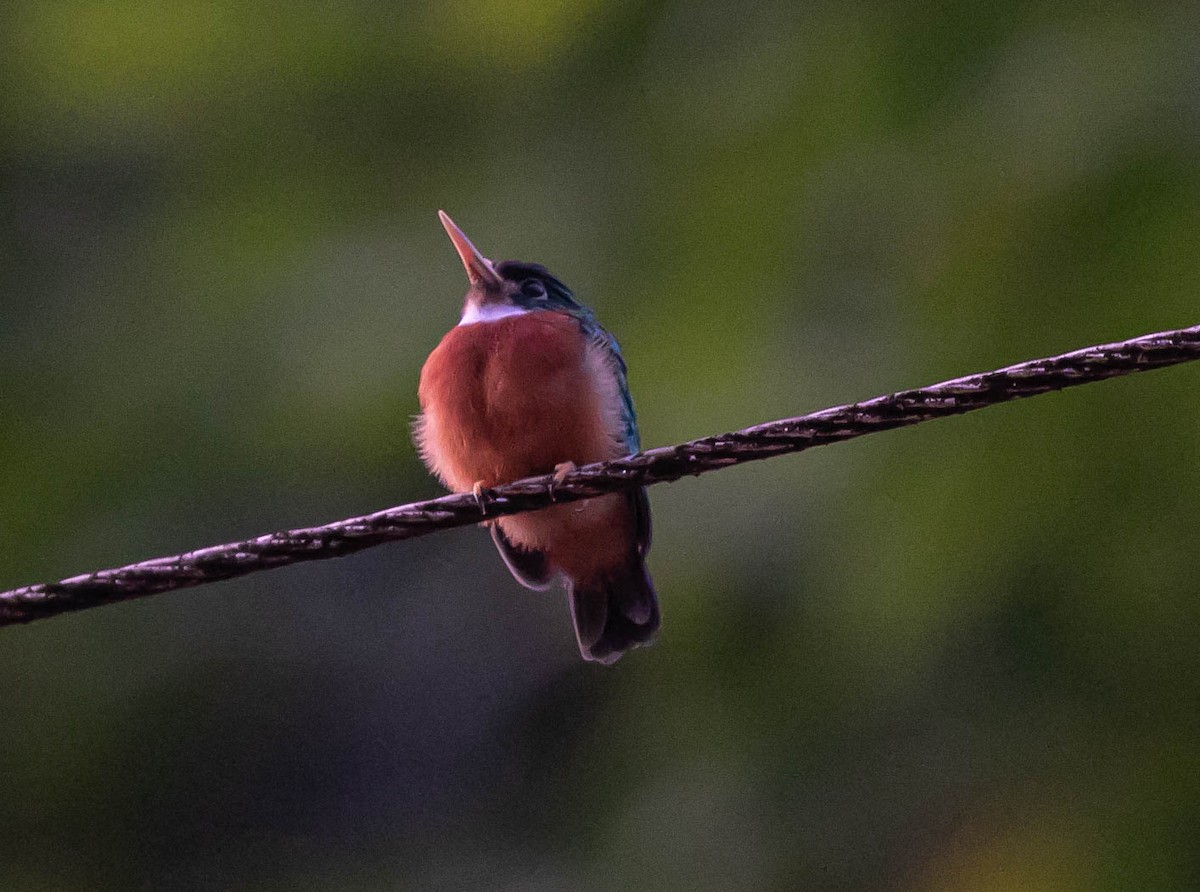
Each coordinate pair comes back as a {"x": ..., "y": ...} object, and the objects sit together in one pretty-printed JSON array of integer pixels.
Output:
[{"x": 506, "y": 399}]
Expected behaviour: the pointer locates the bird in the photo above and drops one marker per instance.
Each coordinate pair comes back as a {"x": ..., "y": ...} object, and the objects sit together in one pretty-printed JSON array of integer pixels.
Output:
[{"x": 529, "y": 383}]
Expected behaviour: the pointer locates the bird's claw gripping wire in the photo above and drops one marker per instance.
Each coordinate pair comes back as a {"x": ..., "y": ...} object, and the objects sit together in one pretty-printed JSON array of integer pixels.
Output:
[
  {"x": 561, "y": 470},
  {"x": 482, "y": 496}
]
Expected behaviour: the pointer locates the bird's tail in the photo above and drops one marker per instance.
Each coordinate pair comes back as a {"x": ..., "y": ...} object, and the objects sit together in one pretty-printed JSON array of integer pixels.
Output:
[{"x": 614, "y": 612}]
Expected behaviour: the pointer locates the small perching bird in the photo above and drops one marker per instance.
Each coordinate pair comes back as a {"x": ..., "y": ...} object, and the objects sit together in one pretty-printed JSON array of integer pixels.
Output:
[{"x": 529, "y": 383}]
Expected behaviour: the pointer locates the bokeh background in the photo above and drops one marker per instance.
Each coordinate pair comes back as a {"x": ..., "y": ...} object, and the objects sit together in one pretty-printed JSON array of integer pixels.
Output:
[{"x": 963, "y": 656}]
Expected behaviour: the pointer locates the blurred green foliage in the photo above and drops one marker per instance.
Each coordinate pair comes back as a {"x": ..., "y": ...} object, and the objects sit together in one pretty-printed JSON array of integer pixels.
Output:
[{"x": 957, "y": 657}]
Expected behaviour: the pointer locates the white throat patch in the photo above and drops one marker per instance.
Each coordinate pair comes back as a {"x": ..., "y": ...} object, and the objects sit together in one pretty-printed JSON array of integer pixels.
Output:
[{"x": 489, "y": 313}]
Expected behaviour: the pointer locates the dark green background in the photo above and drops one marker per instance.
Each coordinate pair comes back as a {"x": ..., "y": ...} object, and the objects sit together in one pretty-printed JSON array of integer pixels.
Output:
[{"x": 962, "y": 656}]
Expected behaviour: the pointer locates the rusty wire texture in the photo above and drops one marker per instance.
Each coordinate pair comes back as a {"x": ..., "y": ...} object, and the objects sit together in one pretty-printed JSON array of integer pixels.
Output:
[{"x": 661, "y": 465}]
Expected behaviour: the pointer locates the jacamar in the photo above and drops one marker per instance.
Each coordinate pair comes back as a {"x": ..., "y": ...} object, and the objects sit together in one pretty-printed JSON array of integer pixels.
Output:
[{"x": 528, "y": 383}]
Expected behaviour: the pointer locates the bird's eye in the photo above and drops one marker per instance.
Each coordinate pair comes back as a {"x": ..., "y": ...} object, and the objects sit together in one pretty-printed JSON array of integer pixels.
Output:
[{"x": 533, "y": 288}]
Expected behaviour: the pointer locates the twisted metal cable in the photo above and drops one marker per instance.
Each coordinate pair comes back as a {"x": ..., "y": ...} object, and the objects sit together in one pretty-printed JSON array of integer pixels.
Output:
[{"x": 661, "y": 465}]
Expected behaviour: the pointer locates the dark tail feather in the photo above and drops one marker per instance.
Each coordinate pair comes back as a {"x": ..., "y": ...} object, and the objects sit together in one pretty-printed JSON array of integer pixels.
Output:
[{"x": 614, "y": 613}]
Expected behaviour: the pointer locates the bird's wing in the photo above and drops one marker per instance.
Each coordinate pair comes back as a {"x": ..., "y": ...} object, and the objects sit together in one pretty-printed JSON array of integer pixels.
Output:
[
  {"x": 612, "y": 349},
  {"x": 637, "y": 497},
  {"x": 529, "y": 568},
  {"x": 641, "y": 515}
]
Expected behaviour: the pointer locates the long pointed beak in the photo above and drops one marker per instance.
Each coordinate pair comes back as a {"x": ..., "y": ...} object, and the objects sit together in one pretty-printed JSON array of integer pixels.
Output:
[{"x": 479, "y": 268}]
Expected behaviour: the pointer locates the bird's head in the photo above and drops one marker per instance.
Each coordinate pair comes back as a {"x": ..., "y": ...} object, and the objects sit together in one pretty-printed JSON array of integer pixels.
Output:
[{"x": 506, "y": 288}]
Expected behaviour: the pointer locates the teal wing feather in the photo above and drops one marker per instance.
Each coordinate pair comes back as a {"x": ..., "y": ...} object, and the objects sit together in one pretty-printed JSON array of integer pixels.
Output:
[
  {"x": 637, "y": 497},
  {"x": 596, "y": 332}
]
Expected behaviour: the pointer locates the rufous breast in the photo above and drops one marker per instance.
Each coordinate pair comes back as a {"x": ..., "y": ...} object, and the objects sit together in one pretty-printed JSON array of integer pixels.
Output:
[{"x": 516, "y": 396}]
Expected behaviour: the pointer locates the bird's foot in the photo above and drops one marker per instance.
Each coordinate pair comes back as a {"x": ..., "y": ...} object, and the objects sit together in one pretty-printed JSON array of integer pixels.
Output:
[
  {"x": 482, "y": 494},
  {"x": 561, "y": 470}
]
